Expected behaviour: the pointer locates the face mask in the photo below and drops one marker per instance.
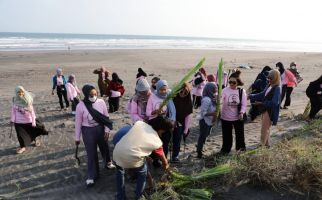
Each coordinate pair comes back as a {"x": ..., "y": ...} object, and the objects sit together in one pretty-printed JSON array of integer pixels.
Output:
[
  {"x": 293, "y": 67},
  {"x": 92, "y": 99}
]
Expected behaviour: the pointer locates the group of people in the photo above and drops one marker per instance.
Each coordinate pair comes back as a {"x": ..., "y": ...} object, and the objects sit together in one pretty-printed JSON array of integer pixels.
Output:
[{"x": 157, "y": 128}]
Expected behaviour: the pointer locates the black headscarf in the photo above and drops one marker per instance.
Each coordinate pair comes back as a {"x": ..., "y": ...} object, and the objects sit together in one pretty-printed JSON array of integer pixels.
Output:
[
  {"x": 115, "y": 78},
  {"x": 97, "y": 116},
  {"x": 280, "y": 67},
  {"x": 141, "y": 73}
]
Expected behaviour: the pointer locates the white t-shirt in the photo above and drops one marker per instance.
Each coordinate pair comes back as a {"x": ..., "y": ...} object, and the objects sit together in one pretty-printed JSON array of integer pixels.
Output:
[{"x": 139, "y": 142}]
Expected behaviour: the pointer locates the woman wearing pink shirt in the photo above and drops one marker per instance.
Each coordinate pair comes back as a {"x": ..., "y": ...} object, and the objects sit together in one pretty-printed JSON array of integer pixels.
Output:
[
  {"x": 72, "y": 92},
  {"x": 288, "y": 83},
  {"x": 139, "y": 101},
  {"x": 24, "y": 118},
  {"x": 231, "y": 117},
  {"x": 93, "y": 123},
  {"x": 198, "y": 83}
]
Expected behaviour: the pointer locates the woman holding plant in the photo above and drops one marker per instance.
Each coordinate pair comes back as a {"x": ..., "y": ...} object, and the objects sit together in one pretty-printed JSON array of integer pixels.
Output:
[
  {"x": 207, "y": 114},
  {"x": 169, "y": 111}
]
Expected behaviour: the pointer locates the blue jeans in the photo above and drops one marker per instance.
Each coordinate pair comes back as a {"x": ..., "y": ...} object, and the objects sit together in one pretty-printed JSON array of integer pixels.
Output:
[{"x": 141, "y": 173}]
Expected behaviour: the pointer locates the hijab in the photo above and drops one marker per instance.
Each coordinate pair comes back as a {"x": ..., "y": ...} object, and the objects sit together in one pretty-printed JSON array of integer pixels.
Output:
[
  {"x": 211, "y": 78},
  {"x": 59, "y": 72},
  {"x": 265, "y": 70},
  {"x": 159, "y": 85},
  {"x": 116, "y": 79},
  {"x": 142, "y": 100},
  {"x": 280, "y": 67},
  {"x": 97, "y": 116},
  {"x": 141, "y": 73},
  {"x": 25, "y": 101},
  {"x": 210, "y": 90}
]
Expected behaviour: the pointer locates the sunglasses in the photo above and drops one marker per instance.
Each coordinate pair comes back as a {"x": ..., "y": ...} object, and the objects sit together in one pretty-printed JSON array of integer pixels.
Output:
[{"x": 232, "y": 82}]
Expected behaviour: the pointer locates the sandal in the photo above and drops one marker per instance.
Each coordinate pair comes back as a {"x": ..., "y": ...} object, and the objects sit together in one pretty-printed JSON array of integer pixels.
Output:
[{"x": 21, "y": 150}]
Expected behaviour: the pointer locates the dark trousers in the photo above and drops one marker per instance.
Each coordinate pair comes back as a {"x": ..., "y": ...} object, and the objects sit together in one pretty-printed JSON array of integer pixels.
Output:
[
  {"x": 74, "y": 103},
  {"x": 140, "y": 172},
  {"x": 61, "y": 92},
  {"x": 93, "y": 137},
  {"x": 114, "y": 103},
  {"x": 196, "y": 101},
  {"x": 177, "y": 135},
  {"x": 289, "y": 91},
  {"x": 204, "y": 132},
  {"x": 165, "y": 138},
  {"x": 25, "y": 134},
  {"x": 316, "y": 106},
  {"x": 227, "y": 135},
  {"x": 176, "y": 140}
]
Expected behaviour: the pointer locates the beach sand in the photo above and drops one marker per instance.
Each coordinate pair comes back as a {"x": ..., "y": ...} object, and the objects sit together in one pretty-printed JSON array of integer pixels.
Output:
[{"x": 49, "y": 171}]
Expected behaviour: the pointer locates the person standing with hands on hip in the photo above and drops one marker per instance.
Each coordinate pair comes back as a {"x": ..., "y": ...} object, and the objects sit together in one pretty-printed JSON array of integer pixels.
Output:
[
  {"x": 92, "y": 121},
  {"x": 59, "y": 83}
]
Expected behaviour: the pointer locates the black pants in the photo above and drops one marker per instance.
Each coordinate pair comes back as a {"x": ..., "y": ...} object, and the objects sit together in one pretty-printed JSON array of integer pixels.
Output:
[
  {"x": 204, "y": 133},
  {"x": 289, "y": 91},
  {"x": 61, "y": 92},
  {"x": 227, "y": 135},
  {"x": 25, "y": 134},
  {"x": 74, "y": 103},
  {"x": 165, "y": 138},
  {"x": 114, "y": 103},
  {"x": 316, "y": 106},
  {"x": 176, "y": 140},
  {"x": 196, "y": 101}
]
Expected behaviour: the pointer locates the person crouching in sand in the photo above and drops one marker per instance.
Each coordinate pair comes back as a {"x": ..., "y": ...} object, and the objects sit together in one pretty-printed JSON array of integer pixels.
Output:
[
  {"x": 130, "y": 152},
  {"x": 24, "y": 119},
  {"x": 92, "y": 121},
  {"x": 268, "y": 102}
]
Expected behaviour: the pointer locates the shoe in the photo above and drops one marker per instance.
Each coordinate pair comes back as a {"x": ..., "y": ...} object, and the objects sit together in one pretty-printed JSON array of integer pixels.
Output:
[
  {"x": 21, "y": 150},
  {"x": 73, "y": 113},
  {"x": 175, "y": 160},
  {"x": 89, "y": 182},
  {"x": 110, "y": 165}
]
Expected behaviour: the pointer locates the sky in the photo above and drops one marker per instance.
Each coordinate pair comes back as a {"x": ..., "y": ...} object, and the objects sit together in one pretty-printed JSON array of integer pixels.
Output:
[{"x": 285, "y": 20}]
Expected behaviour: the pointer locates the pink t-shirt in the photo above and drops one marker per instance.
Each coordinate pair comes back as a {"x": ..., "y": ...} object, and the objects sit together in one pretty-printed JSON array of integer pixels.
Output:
[
  {"x": 72, "y": 91},
  {"x": 84, "y": 118},
  {"x": 60, "y": 80},
  {"x": 154, "y": 104},
  {"x": 230, "y": 101},
  {"x": 23, "y": 115}
]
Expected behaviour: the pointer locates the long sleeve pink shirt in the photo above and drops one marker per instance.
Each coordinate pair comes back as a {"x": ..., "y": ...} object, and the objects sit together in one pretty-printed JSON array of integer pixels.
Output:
[
  {"x": 290, "y": 79},
  {"x": 23, "y": 116},
  {"x": 230, "y": 101},
  {"x": 154, "y": 104},
  {"x": 198, "y": 89},
  {"x": 137, "y": 114},
  {"x": 72, "y": 91},
  {"x": 84, "y": 118}
]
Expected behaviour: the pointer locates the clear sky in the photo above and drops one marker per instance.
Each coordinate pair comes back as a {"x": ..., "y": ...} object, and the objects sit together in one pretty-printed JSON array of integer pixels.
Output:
[{"x": 295, "y": 20}]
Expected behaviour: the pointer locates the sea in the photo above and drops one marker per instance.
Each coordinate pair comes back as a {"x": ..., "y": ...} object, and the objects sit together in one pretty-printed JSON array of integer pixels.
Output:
[{"x": 62, "y": 41}]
